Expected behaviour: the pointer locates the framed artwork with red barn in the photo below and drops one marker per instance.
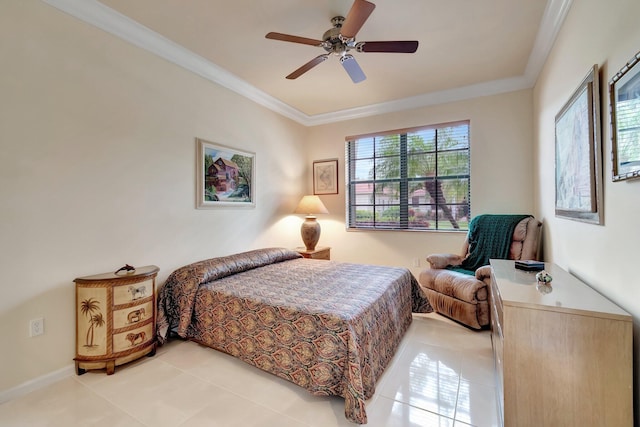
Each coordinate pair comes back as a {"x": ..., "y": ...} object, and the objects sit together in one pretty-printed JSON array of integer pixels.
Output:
[{"x": 225, "y": 176}]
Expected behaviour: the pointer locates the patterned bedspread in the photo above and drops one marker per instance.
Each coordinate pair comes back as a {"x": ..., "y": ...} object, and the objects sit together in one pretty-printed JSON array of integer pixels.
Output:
[{"x": 329, "y": 327}]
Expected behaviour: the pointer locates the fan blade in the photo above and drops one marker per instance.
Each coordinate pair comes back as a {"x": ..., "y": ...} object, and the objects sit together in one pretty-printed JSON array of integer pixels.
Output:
[
  {"x": 391, "y": 47},
  {"x": 353, "y": 69},
  {"x": 309, "y": 65},
  {"x": 294, "y": 39},
  {"x": 357, "y": 16}
]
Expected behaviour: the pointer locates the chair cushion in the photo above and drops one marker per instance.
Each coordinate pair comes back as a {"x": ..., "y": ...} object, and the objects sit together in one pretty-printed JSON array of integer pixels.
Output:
[
  {"x": 530, "y": 241},
  {"x": 457, "y": 285}
]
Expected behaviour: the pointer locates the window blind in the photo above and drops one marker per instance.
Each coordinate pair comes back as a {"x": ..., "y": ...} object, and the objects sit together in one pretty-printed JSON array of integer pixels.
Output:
[{"x": 411, "y": 179}]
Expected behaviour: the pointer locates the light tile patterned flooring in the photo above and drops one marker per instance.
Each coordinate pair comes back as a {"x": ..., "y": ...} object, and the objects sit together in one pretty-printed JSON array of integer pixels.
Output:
[{"x": 441, "y": 376}]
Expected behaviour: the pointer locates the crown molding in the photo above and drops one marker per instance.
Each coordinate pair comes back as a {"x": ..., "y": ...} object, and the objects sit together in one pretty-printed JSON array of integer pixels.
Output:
[
  {"x": 552, "y": 20},
  {"x": 428, "y": 99},
  {"x": 97, "y": 14}
]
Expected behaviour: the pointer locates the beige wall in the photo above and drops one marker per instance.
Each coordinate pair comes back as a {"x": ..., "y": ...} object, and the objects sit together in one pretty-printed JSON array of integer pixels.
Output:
[
  {"x": 606, "y": 257},
  {"x": 501, "y": 168},
  {"x": 97, "y": 169}
]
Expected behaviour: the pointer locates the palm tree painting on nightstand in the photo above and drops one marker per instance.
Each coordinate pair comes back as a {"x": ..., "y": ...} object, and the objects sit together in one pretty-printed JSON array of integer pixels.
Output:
[{"x": 89, "y": 307}]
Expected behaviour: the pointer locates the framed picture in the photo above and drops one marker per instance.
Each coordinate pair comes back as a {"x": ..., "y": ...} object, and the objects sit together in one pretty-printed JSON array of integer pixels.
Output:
[
  {"x": 325, "y": 176},
  {"x": 225, "y": 176},
  {"x": 624, "y": 93},
  {"x": 579, "y": 154}
]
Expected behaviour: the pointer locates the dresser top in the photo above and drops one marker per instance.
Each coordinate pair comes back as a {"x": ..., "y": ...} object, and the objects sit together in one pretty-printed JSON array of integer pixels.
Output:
[
  {"x": 147, "y": 270},
  {"x": 567, "y": 294}
]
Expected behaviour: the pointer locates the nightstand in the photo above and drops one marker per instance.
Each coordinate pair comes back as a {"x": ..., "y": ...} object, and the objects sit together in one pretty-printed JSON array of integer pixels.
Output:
[
  {"x": 115, "y": 318},
  {"x": 317, "y": 253}
]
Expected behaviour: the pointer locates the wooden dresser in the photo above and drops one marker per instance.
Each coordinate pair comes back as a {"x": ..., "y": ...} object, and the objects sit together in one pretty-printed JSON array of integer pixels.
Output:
[
  {"x": 115, "y": 318},
  {"x": 563, "y": 358}
]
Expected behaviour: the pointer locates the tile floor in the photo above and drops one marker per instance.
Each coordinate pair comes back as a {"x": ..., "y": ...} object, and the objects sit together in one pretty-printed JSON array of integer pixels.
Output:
[{"x": 441, "y": 376}]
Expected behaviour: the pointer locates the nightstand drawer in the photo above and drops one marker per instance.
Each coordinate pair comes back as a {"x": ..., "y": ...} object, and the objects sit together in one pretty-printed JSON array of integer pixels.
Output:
[
  {"x": 132, "y": 315},
  {"x": 133, "y": 292},
  {"x": 131, "y": 339}
]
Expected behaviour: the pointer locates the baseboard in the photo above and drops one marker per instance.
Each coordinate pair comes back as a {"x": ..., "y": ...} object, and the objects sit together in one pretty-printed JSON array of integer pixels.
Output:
[{"x": 36, "y": 383}]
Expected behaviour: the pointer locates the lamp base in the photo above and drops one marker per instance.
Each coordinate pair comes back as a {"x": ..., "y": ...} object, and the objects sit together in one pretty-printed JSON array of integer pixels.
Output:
[{"x": 310, "y": 231}]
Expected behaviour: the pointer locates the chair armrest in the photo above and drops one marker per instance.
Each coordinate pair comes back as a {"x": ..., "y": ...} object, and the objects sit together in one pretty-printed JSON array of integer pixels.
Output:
[
  {"x": 483, "y": 273},
  {"x": 439, "y": 261}
]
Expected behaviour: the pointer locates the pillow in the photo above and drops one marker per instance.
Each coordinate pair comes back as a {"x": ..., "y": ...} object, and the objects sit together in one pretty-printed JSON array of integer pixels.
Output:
[{"x": 217, "y": 268}]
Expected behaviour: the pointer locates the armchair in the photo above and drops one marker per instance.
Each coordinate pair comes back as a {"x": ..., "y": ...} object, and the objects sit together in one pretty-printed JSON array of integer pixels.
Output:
[{"x": 462, "y": 295}]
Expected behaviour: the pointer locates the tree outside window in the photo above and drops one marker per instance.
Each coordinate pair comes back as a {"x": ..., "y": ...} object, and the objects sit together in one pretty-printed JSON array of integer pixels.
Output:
[{"x": 417, "y": 179}]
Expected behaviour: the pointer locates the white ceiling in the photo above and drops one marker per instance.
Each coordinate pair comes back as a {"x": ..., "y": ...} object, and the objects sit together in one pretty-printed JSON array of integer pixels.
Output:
[{"x": 467, "y": 48}]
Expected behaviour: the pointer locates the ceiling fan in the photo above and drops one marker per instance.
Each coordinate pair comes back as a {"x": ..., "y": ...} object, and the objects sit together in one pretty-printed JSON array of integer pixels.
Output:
[{"x": 341, "y": 39}]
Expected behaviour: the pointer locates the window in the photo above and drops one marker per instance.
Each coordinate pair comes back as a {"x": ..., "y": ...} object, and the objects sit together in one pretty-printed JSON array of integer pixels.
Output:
[{"x": 412, "y": 179}]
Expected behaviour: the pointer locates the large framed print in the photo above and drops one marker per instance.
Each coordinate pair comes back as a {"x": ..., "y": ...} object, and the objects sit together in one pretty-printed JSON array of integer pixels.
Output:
[
  {"x": 325, "y": 176},
  {"x": 579, "y": 154},
  {"x": 225, "y": 176},
  {"x": 624, "y": 94}
]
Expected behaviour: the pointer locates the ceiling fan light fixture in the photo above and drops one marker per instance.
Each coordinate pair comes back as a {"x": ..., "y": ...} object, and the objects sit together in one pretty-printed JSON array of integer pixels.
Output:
[
  {"x": 352, "y": 68},
  {"x": 342, "y": 38}
]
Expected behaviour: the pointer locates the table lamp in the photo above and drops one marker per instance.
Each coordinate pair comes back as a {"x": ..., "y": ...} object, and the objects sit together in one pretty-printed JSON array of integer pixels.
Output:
[{"x": 310, "y": 229}]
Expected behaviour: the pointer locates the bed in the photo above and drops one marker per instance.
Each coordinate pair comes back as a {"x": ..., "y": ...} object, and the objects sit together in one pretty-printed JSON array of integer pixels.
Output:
[{"x": 327, "y": 326}]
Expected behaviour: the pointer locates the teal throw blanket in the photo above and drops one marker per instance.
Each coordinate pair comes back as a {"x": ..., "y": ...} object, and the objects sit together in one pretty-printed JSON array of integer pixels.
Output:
[{"x": 489, "y": 237}]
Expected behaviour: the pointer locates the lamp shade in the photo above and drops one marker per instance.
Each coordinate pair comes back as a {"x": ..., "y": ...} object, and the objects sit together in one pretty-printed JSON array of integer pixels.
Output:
[{"x": 311, "y": 205}]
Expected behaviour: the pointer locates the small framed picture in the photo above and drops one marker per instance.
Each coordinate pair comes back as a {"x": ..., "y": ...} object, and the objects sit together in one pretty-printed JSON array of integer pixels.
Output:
[
  {"x": 325, "y": 176},
  {"x": 624, "y": 93},
  {"x": 225, "y": 176}
]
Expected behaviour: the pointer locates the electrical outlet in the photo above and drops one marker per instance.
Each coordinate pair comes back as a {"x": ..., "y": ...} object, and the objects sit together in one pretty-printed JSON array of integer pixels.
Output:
[
  {"x": 36, "y": 327},
  {"x": 416, "y": 262}
]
